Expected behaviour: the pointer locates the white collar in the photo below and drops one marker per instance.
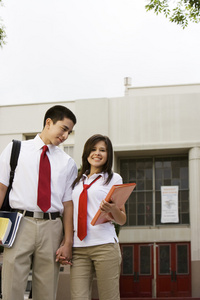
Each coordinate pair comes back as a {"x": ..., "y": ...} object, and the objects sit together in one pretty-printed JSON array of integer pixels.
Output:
[{"x": 39, "y": 144}]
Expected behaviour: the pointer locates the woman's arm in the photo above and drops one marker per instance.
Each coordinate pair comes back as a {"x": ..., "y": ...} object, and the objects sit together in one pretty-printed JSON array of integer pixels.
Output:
[
  {"x": 119, "y": 214},
  {"x": 64, "y": 253}
]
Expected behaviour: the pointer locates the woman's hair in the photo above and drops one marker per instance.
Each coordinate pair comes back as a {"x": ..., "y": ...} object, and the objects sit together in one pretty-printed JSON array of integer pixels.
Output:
[{"x": 89, "y": 145}]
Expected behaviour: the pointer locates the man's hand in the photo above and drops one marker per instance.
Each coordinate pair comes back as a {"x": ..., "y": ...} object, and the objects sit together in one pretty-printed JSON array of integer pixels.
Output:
[{"x": 64, "y": 255}]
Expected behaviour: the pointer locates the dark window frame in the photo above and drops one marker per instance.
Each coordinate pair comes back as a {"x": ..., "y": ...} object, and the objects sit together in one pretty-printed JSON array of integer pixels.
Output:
[{"x": 144, "y": 205}]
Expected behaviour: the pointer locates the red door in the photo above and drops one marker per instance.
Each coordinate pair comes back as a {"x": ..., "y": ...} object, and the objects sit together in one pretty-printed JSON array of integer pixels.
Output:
[
  {"x": 173, "y": 270},
  {"x": 137, "y": 270}
]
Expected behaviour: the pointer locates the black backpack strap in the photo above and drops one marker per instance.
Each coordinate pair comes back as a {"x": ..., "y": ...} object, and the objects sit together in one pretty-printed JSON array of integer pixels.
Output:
[
  {"x": 13, "y": 163},
  {"x": 14, "y": 159}
]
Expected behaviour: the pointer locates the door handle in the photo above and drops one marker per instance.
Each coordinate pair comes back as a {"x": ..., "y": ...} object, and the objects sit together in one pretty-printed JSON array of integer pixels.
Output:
[
  {"x": 174, "y": 275},
  {"x": 136, "y": 277}
]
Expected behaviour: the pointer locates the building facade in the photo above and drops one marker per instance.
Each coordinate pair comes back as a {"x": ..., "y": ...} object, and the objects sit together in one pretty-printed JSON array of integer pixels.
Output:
[{"x": 156, "y": 141}]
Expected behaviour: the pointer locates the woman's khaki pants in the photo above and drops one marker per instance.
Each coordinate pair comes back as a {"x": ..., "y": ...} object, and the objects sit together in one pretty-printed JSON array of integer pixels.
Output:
[{"x": 102, "y": 260}]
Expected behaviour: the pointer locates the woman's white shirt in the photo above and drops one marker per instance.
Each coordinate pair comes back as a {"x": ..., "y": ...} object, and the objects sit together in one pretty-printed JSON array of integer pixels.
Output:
[{"x": 102, "y": 233}]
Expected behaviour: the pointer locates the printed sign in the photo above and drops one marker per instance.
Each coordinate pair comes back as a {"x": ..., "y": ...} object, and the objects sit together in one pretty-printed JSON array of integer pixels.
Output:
[{"x": 169, "y": 204}]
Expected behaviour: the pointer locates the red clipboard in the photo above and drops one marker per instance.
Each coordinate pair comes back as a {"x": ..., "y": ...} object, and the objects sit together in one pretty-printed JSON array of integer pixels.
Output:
[{"x": 120, "y": 194}]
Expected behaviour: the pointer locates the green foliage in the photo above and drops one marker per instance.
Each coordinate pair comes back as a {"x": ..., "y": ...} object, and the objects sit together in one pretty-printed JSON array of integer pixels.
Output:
[
  {"x": 2, "y": 36},
  {"x": 180, "y": 12},
  {"x": 2, "y": 32}
]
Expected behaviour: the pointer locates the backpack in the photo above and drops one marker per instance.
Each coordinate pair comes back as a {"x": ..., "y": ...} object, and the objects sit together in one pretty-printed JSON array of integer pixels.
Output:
[{"x": 13, "y": 163}]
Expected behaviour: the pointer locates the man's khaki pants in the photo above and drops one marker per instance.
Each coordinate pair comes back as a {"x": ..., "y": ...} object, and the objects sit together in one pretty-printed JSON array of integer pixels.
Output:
[{"x": 36, "y": 243}]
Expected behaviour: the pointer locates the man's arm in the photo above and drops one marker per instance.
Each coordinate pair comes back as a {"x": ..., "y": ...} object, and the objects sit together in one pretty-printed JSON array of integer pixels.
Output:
[
  {"x": 3, "y": 189},
  {"x": 64, "y": 253}
]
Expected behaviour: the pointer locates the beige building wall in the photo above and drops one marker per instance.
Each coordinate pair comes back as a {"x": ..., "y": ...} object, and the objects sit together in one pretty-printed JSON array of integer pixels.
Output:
[
  {"x": 18, "y": 121},
  {"x": 146, "y": 121},
  {"x": 92, "y": 116}
]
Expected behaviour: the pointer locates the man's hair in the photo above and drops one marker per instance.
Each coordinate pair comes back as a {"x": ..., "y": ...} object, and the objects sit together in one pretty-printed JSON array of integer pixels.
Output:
[{"x": 58, "y": 113}]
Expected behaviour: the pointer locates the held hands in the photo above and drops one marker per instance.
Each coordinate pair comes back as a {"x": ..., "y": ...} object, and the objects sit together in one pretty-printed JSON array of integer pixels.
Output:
[{"x": 64, "y": 255}]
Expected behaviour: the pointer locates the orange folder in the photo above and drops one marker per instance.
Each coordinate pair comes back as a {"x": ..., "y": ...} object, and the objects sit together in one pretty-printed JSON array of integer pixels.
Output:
[{"x": 119, "y": 194}]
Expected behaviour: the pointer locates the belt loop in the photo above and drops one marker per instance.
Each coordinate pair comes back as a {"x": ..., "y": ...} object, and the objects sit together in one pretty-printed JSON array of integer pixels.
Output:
[
  {"x": 24, "y": 212},
  {"x": 49, "y": 216}
]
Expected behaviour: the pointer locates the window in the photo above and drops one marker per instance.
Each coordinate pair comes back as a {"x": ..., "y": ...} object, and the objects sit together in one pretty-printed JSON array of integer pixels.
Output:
[
  {"x": 164, "y": 259},
  {"x": 144, "y": 205},
  {"x": 173, "y": 171},
  {"x": 145, "y": 260},
  {"x": 182, "y": 259},
  {"x": 69, "y": 150},
  {"x": 127, "y": 263},
  {"x": 29, "y": 136},
  {"x": 139, "y": 207}
]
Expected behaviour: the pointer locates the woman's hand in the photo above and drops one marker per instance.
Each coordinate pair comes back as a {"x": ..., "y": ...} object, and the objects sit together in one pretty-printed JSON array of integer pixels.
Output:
[
  {"x": 64, "y": 255},
  {"x": 118, "y": 214},
  {"x": 107, "y": 207}
]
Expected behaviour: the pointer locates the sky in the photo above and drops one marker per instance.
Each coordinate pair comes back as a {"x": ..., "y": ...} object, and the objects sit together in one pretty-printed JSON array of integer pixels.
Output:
[{"x": 62, "y": 50}]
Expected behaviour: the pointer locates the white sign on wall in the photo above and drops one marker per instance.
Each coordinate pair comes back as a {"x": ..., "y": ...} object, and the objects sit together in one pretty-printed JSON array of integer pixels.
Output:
[{"x": 169, "y": 204}]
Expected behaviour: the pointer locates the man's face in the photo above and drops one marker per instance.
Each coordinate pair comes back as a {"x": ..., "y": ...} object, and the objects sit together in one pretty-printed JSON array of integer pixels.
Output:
[{"x": 57, "y": 133}]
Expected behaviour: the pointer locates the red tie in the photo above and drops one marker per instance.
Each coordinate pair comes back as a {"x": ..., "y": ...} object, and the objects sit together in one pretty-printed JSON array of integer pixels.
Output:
[
  {"x": 44, "y": 182},
  {"x": 82, "y": 211}
]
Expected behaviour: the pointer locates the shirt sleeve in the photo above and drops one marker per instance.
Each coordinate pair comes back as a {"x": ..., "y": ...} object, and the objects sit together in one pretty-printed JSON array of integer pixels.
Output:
[
  {"x": 71, "y": 176},
  {"x": 117, "y": 179},
  {"x": 5, "y": 165}
]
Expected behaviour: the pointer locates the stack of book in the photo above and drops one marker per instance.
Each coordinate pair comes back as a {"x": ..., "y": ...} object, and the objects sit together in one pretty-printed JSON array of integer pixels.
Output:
[{"x": 9, "y": 224}]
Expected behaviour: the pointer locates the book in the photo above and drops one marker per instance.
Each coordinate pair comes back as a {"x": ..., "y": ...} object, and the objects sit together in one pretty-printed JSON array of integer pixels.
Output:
[
  {"x": 119, "y": 194},
  {"x": 5, "y": 225},
  {"x": 15, "y": 218}
]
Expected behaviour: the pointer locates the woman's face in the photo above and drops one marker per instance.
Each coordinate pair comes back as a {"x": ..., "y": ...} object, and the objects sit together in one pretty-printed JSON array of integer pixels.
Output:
[{"x": 98, "y": 156}]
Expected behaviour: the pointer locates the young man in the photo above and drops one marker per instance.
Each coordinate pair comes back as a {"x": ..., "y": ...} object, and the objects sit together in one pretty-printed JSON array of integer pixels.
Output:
[{"x": 41, "y": 230}]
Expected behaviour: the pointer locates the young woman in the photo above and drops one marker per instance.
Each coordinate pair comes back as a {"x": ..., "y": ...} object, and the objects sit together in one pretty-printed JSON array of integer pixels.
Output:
[{"x": 96, "y": 251}]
